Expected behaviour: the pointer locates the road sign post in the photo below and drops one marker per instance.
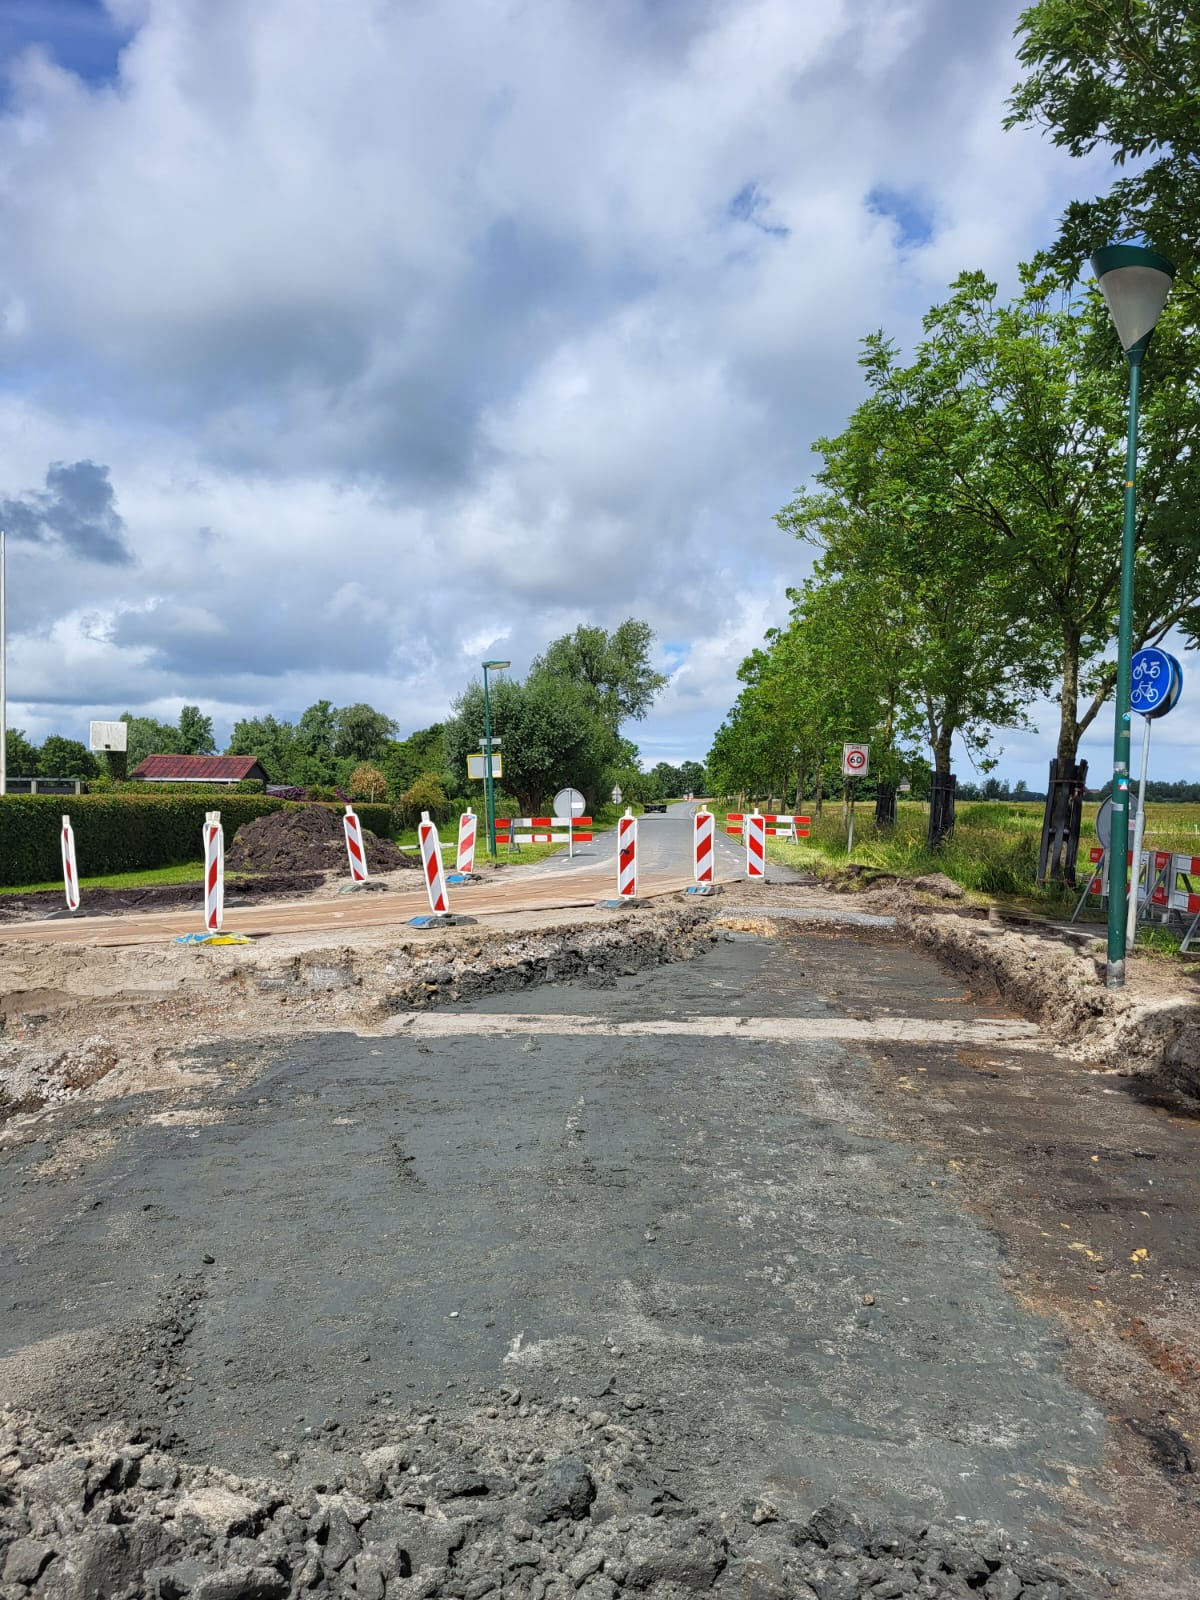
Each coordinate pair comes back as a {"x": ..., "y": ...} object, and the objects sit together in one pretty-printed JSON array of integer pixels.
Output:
[{"x": 856, "y": 763}]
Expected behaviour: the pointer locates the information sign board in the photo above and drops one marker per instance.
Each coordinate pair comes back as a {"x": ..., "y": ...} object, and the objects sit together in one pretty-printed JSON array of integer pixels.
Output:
[
  {"x": 108, "y": 736},
  {"x": 476, "y": 765}
]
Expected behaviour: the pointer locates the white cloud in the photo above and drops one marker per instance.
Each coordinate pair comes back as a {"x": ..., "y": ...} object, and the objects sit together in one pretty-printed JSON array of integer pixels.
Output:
[{"x": 407, "y": 334}]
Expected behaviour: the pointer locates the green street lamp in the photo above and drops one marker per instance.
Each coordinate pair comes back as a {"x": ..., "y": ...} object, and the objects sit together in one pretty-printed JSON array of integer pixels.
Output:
[
  {"x": 493, "y": 666},
  {"x": 1135, "y": 283}
]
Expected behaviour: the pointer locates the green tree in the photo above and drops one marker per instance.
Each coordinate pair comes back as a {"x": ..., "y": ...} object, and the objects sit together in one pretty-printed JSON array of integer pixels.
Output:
[
  {"x": 1123, "y": 75},
  {"x": 195, "y": 733},
  {"x": 20, "y": 756},
  {"x": 613, "y": 669},
  {"x": 424, "y": 751},
  {"x": 550, "y": 735},
  {"x": 148, "y": 737},
  {"x": 67, "y": 758},
  {"x": 693, "y": 778},
  {"x": 360, "y": 733},
  {"x": 274, "y": 743}
]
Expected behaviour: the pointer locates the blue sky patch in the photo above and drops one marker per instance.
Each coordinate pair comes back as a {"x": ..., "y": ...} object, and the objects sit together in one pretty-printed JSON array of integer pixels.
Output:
[
  {"x": 914, "y": 221},
  {"x": 751, "y": 205},
  {"x": 80, "y": 35}
]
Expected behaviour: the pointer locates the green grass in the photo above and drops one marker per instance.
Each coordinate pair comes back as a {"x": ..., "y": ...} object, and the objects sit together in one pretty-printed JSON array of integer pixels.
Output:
[
  {"x": 184, "y": 872},
  {"x": 992, "y": 853}
]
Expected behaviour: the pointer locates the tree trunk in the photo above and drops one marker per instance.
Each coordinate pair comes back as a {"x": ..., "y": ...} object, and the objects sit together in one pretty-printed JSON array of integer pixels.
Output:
[
  {"x": 1064, "y": 793},
  {"x": 820, "y": 791},
  {"x": 800, "y": 777}
]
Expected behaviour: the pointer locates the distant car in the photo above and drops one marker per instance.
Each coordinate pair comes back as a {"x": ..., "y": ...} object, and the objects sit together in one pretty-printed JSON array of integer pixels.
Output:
[{"x": 655, "y": 805}]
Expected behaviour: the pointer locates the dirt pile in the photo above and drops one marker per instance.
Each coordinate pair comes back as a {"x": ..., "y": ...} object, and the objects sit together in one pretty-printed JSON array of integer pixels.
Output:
[
  {"x": 532, "y": 1501},
  {"x": 308, "y": 839}
]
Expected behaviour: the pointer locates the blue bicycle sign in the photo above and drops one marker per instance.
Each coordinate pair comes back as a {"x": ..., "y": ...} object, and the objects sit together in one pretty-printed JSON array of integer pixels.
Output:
[{"x": 1156, "y": 680}]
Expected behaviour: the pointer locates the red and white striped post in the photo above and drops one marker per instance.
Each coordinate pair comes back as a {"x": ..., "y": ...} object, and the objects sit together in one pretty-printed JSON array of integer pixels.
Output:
[
  {"x": 354, "y": 846},
  {"x": 70, "y": 870},
  {"x": 214, "y": 871},
  {"x": 756, "y": 845},
  {"x": 468, "y": 827},
  {"x": 627, "y": 856},
  {"x": 431, "y": 860},
  {"x": 702, "y": 846}
]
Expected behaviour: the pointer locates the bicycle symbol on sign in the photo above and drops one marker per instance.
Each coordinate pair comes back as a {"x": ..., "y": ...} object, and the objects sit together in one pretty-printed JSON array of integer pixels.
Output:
[{"x": 1145, "y": 690}]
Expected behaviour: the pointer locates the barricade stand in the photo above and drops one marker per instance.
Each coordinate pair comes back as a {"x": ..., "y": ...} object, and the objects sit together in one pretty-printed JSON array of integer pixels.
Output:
[
  {"x": 214, "y": 872},
  {"x": 756, "y": 846},
  {"x": 467, "y": 830},
  {"x": 439, "y": 915},
  {"x": 70, "y": 870},
  {"x": 703, "y": 826},
  {"x": 214, "y": 888},
  {"x": 354, "y": 846},
  {"x": 627, "y": 876}
]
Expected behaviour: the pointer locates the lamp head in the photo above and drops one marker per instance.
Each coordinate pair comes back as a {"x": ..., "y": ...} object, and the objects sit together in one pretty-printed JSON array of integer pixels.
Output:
[
  {"x": 495, "y": 665},
  {"x": 1135, "y": 283}
]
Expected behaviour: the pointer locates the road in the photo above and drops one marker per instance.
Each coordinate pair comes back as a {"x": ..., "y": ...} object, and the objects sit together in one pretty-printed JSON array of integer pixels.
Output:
[{"x": 633, "y": 1207}]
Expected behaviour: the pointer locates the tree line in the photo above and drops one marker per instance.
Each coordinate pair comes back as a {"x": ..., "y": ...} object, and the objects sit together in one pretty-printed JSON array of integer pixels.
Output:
[
  {"x": 966, "y": 520},
  {"x": 561, "y": 724}
]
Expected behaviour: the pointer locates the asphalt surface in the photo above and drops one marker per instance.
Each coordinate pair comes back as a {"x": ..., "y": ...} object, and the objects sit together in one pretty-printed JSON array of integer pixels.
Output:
[{"x": 709, "y": 1220}]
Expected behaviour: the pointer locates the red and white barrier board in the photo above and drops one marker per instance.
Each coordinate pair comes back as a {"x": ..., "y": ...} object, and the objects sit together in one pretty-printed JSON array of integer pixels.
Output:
[
  {"x": 702, "y": 846},
  {"x": 431, "y": 861},
  {"x": 468, "y": 828},
  {"x": 777, "y": 825},
  {"x": 70, "y": 870},
  {"x": 1183, "y": 892},
  {"x": 354, "y": 846},
  {"x": 756, "y": 845},
  {"x": 543, "y": 830},
  {"x": 627, "y": 856},
  {"x": 214, "y": 872}
]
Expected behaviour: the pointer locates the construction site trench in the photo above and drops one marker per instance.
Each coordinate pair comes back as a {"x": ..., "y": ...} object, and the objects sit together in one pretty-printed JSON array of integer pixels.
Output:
[{"x": 736, "y": 1249}]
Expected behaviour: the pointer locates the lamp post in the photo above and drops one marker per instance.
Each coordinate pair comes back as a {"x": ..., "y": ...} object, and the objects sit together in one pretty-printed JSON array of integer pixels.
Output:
[
  {"x": 1135, "y": 283},
  {"x": 494, "y": 666}
]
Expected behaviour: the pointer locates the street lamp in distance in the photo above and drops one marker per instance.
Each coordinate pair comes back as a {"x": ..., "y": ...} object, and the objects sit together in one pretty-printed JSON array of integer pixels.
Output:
[
  {"x": 1135, "y": 283},
  {"x": 490, "y": 666}
]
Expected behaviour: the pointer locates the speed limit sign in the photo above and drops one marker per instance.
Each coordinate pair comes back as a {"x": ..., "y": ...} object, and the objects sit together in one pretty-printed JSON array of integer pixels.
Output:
[{"x": 855, "y": 760}]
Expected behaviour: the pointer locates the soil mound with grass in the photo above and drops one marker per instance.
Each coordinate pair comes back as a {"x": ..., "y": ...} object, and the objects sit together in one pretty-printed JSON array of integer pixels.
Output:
[{"x": 310, "y": 839}]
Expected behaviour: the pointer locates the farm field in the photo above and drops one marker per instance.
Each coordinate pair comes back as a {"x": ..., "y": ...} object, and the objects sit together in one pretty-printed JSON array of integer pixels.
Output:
[{"x": 993, "y": 850}]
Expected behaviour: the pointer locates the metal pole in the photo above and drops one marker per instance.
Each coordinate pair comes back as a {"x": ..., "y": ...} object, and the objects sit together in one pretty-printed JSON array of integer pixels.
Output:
[
  {"x": 850, "y": 837},
  {"x": 1119, "y": 844},
  {"x": 1139, "y": 829},
  {"x": 3, "y": 671},
  {"x": 487, "y": 770}
]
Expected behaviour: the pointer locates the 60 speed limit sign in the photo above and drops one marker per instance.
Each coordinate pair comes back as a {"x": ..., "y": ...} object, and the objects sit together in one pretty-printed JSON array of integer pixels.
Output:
[{"x": 855, "y": 760}]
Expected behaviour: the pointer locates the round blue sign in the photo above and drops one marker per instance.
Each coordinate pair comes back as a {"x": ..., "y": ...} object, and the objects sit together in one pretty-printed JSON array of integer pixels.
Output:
[{"x": 1156, "y": 680}]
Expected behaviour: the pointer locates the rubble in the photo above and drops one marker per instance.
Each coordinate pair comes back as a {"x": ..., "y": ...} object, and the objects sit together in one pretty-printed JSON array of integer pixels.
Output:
[{"x": 539, "y": 1502}]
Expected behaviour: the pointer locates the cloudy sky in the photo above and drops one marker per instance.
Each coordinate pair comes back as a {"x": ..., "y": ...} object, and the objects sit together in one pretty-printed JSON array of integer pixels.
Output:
[{"x": 346, "y": 345}]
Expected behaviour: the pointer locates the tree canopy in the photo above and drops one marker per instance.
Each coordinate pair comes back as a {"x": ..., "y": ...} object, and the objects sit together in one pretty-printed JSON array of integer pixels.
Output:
[{"x": 1120, "y": 75}]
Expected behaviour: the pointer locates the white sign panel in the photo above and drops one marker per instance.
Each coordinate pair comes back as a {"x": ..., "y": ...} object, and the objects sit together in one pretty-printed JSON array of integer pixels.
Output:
[
  {"x": 855, "y": 760},
  {"x": 475, "y": 765},
  {"x": 108, "y": 735}
]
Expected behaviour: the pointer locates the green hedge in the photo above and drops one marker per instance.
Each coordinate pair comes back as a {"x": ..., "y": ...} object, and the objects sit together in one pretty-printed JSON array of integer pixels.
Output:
[{"x": 127, "y": 832}]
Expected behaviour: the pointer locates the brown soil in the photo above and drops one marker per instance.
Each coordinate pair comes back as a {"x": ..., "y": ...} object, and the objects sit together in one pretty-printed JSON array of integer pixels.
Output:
[
  {"x": 154, "y": 896},
  {"x": 310, "y": 840}
]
